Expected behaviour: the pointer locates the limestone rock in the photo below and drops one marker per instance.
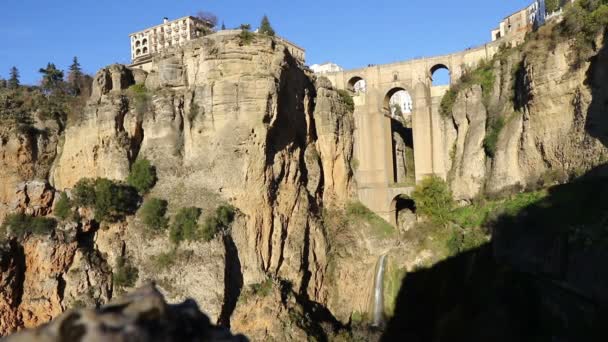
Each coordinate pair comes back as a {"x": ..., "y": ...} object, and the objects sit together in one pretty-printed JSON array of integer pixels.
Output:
[
  {"x": 468, "y": 167},
  {"x": 140, "y": 316}
]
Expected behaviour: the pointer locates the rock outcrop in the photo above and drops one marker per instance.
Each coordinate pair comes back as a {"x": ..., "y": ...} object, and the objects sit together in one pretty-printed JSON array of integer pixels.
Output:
[
  {"x": 552, "y": 122},
  {"x": 221, "y": 121},
  {"x": 140, "y": 316}
]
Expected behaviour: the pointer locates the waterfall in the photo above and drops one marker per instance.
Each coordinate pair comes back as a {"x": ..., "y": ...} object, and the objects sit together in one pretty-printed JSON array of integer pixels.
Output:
[{"x": 378, "y": 299}]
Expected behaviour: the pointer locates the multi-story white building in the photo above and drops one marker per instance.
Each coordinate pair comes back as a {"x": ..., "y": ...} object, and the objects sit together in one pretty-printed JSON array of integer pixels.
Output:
[
  {"x": 325, "y": 68},
  {"x": 169, "y": 33}
]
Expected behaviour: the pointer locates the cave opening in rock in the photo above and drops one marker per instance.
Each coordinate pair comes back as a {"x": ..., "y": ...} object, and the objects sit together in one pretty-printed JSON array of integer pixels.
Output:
[{"x": 405, "y": 212}]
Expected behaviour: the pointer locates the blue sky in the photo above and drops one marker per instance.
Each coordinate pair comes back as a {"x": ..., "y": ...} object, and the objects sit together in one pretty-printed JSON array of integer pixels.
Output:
[{"x": 351, "y": 33}]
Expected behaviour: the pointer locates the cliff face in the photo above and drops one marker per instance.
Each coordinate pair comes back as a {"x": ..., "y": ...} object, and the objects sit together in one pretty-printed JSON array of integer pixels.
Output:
[
  {"x": 221, "y": 121},
  {"x": 552, "y": 121}
]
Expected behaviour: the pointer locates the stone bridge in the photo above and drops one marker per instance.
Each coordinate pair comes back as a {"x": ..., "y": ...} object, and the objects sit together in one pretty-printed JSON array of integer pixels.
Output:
[{"x": 382, "y": 172}]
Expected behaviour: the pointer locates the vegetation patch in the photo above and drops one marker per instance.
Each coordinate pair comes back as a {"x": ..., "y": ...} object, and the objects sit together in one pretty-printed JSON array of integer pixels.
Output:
[
  {"x": 483, "y": 76},
  {"x": 111, "y": 200},
  {"x": 246, "y": 37},
  {"x": 262, "y": 289},
  {"x": 142, "y": 176},
  {"x": 220, "y": 221},
  {"x": 433, "y": 199},
  {"x": 493, "y": 129},
  {"x": 347, "y": 99},
  {"x": 141, "y": 98},
  {"x": 63, "y": 207},
  {"x": 357, "y": 213},
  {"x": 19, "y": 225},
  {"x": 152, "y": 214},
  {"x": 125, "y": 274},
  {"x": 185, "y": 225}
]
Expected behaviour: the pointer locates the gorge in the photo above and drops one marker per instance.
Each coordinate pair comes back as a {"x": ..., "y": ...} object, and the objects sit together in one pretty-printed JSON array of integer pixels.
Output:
[{"x": 263, "y": 198}]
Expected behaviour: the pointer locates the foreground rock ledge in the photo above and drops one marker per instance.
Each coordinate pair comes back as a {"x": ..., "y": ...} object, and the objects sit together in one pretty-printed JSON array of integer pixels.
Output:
[{"x": 140, "y": 316}]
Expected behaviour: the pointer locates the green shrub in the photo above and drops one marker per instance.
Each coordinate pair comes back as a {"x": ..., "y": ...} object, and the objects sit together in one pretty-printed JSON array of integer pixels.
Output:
[
  {"x": 184, "y": 225},
  {"x": 141, "y": 98},
  {"x": 111, "y": 200},
  {"x": 125, "y": 274},
  {"x": 152, "y": 213},
  {"x": 584, "y": 21},
  {"x": 19, "y": 225},
  {"x": 63, "y": 208},
  {"x": 84, "y": 193},
  {"x": 166, "y": 259},
  {"x": 495, "y": 126},
  {"x": 482, "y": 75},
  {"x": 142, "y": 176},
  {"x": 347, "y": 99},
  {"x": 246, "y": 36},
  {"x": 212, "y": 225},
  {"x": 433, "y": 199},
  {"x": 262, "y": 289},
  {"x": 357, "y": 213}
]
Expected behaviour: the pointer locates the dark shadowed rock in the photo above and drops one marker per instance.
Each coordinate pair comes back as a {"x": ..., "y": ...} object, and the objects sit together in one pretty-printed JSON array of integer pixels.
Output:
[{"x": 140, "y": 316}]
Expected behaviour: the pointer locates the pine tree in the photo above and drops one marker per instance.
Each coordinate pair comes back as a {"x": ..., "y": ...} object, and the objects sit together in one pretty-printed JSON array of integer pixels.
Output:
[
  {"x": 75, "y": 77},
  {"x": 2, "y": 83},
  {"x": 223, "y": 26},
  {"x": 265, "y": 27},
  {"x": 13, "y": 81},
  {"x": 52, "y": 78}
]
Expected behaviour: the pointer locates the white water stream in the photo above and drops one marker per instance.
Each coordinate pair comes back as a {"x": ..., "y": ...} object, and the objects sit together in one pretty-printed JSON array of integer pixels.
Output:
[{"x": 378, "y": 302}]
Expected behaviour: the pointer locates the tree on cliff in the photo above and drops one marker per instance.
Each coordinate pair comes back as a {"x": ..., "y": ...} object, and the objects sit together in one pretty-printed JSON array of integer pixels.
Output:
[
  {"x": 13, "y": 81},
  {"x": 75, "y": 77},
  {"x": 52, "y": 78},
  {"x": 265, "y": 27}
]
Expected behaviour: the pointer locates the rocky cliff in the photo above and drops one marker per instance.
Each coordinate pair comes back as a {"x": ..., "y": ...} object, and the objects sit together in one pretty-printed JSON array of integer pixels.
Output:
[
  {"x": 536, "y": 124},
  {"x": 223, "y": 122}
]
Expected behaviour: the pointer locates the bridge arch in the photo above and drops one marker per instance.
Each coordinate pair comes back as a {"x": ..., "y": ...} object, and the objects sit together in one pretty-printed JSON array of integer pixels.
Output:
[
  {"x": 357, "y": 84},
  {"x": 391, "y": 93},
  {"x": 440, "y": 75}
]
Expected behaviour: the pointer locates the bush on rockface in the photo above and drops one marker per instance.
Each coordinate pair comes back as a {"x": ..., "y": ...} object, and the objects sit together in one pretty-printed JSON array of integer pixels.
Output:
[
  {"x": 433, "y": 199},
  {"x": 152, "y": 213},
  {"x": 220, "y": 221},
  {"x": 142, "y": 176},
  {"x": 185, "y": 225},
  {"x": 482, "y": 75},
  {"x": 141, "y": 98},
  {"x": 63, "y": 207},
  {"x": 19, "y": 225},
  {"x": 347, "y": 99},
  {"x": 111, "y": 200},
  {"x": 125, "y": 274},
  {"x": 490, "y": 142}
]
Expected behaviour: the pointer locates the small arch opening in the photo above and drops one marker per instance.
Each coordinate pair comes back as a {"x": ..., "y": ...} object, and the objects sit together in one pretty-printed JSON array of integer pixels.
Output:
[
  {"x": 144, "y": 42},
  {"x": 440, "y": 75},
  {"x": 405, "y": 212},
  {"x": 137, "y": 43},
  {"x": 145, "y": 50},
  {"x": 137, "y": 52},
  {"x": 357, "y": 85}
]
